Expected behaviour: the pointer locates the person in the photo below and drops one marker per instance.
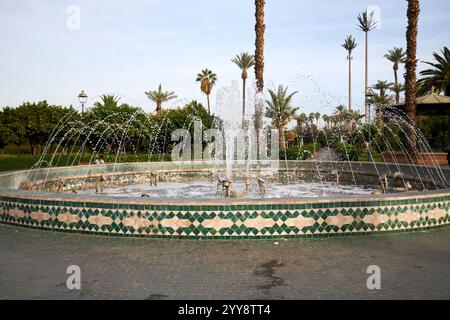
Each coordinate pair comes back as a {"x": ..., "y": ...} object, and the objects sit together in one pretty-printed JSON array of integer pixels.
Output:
[{"x": 100, "y": 160}]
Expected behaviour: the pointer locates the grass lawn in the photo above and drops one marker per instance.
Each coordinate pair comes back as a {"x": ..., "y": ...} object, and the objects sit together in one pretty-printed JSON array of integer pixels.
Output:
[
  {"x": 377, "y": 157},
  {"x": 22, "y": 162}
]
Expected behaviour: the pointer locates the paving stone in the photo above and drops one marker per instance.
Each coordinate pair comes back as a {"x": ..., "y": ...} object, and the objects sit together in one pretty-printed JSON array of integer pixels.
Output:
[{"x": 33, "y": 266}]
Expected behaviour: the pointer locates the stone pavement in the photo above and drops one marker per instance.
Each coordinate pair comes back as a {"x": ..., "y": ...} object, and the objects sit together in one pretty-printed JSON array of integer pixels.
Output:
[
  {"x": 326, "y": 154},
  {"x": 33, "y": 266}
]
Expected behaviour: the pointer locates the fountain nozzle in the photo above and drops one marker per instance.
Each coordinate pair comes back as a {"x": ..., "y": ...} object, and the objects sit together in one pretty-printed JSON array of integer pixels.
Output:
[
  {"x": 226, "y": 187},
  {"x": 262, "y": 186}
]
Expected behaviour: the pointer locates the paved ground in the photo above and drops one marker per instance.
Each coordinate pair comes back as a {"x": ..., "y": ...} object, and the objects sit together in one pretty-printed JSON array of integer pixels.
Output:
[
  {"x": 325, "y": 154},
  {"x": 33, "y": 265}
]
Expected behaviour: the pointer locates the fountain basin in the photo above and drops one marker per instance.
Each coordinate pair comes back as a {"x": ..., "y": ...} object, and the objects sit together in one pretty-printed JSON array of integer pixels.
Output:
[{"x": 221, "y": 218}]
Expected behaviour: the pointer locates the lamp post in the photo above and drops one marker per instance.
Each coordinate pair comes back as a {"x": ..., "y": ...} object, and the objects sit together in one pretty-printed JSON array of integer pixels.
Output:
[
  {"x": 82, "y": 97},
  {"x": 369, "y": 96}
]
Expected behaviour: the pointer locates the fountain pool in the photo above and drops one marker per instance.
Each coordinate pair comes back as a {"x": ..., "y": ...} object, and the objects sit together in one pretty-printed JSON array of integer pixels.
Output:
[
  {"x": 184, "y": 203},
  {"x": 207, "y": 190}
]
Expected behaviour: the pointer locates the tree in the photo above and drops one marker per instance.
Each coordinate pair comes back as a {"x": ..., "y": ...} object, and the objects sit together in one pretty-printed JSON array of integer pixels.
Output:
[
  {"x": 439, "y": 76},
  {"x": 410, "y": 66},
  {"x": 207, "y": 81},
  {"x": 260, "y": 29},
  {"x": 112, "y": 126},
  {"x": 301, "y": 119},
  {"x": 382, "y": 87},
  {"x": 37, "y": 122},
  {"x": 159, "y": 97},
  {"x": 163, "y": 124},
  {"x": 381, "y": 99},
  {"x": 396, "y": 56},
  {"x": 279, "y": 109},
  {"x": 367, "y": 23},
  {"x": 244, "y": 61},
  {"x": 326, "y": 120},
  {"x": 397, "y": 89},
  {"x": 311, "y": 118},
  {"x": 349, "y": 45},
  {"x": 107, "y": 101},
  {"x": 12, "y": 130},
  {"x": 317, "y": 116},
  {"x": 340, "y": 112}
]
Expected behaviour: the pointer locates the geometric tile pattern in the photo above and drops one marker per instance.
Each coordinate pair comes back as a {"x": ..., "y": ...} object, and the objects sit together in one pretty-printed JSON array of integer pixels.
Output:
[{"x": 229, "y": 221}]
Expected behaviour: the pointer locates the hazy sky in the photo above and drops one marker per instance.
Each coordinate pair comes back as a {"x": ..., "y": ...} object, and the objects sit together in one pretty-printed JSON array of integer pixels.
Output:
[{"x": 128, "y": 47}]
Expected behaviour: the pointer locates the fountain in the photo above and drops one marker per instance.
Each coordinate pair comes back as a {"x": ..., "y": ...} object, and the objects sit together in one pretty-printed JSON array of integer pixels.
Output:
[{"x": 238, "y": 193}]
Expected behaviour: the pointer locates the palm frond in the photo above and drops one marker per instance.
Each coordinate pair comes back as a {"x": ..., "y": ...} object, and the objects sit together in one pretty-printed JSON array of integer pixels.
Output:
[
  {"x": 349, "y": 44},
  {"x": 396, "y": 55},
  {"x": 367, "y": 22},
  {"x": 439, "y": 76}
]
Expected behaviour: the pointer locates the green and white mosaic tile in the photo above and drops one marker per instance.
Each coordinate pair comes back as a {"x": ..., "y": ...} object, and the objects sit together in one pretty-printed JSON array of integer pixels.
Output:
[{"x": 226, "y": 221}]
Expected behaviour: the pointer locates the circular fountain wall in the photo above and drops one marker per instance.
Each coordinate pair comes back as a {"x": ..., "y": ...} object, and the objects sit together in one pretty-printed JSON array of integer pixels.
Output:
[{"x": 337, "y": 198}]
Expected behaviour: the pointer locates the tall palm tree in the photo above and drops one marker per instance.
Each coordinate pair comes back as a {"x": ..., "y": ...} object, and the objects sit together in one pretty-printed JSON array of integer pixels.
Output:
[
  {"x": 396, "y": 56},
  {"x": 366, "y": 23},
  {"x": 159, "y": 96},
  {"x": 207, "y": 81},
  {"x": 410, "y": 66},
  {"x": 260, "y": 29},
  {"x": 244, "y": 61},
  {"x": 279, "y": 109},
  {"x": 438, "y": 77},
  {"x": 349, "y": 45}
]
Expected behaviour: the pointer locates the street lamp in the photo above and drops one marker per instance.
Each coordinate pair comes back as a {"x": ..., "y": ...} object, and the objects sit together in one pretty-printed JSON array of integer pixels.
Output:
[
  {"x": 82, "y": 97},
  {"x": 369, "y": 96}
]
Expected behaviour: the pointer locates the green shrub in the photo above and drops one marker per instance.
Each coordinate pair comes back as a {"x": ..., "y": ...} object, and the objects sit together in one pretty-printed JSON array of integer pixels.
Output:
[
  {"x": 299, "y": 153},
  {"x": 347, "y": 152}
]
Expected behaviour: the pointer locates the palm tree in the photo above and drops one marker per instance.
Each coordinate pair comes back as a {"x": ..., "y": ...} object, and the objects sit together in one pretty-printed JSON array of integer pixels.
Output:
[
  {"x": 244, "y": 61},
  {"x": 279, "y": 109},
  {"x": 311, "y": 117},
  {"x": 366, "y": 24},
  {"x": 260, "y": 29},
  {"x": 326, "y": 120},
  {"x": 397, "y": 89},
  {"x": 108, "y": 101},
  {"x": 438, "y": 77},
  {"x": 349, "y": 45},
  {"x": 207, "y": 81},
  {"x": 317, "y": 116},
  {"x": 301, "y": 119},
  {"x": 410, "y": 66},
  {"x": 396, "y": 56},
  {"x": 381, "y": 100},
  {"x": 159, "y": 96},
  {"x": 382, "y": 86},
  {"x": 340, "y": 111}
]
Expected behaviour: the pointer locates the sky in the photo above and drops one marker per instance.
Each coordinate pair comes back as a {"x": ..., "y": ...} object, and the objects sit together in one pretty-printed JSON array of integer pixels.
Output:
[{"x": 129, "y": 47}]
